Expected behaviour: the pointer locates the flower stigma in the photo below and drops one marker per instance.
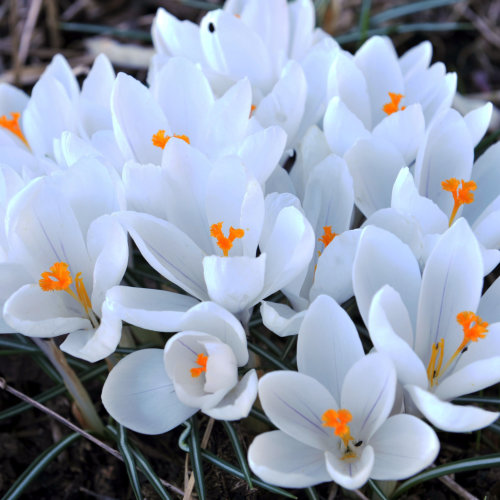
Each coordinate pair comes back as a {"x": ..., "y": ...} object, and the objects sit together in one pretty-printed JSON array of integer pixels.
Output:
[
  {"x": 338, "y": 420},
  {"x": 225, "y": 244},
  {"x": 59, "y": 278},
  {"x": 393, "y": 105},
  {"x": 202, "y": 361},
  {"x": 12, "y": 125},
  {"x": 160, "y": 139},
  {"x": 461, "y": 195},
  {"x": 474, "y": 328},
  {"x": 327, "y": 237}
]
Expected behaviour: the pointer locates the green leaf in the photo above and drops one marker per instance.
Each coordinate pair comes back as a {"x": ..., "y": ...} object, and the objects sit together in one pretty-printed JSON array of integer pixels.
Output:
[
  {"x": 409, "y": 8},
  {"x": 12, "y": 344},
  {"x": 150, "y": 474},
  {"x": 260, "y": 416},
  {"x": 484, "y": 462},
  {"x": 376, "y": 489},
  {"x": 478, "y": 399},
  {"x": 98, "y": 29},
  {"x": 128, "y": 458},
  {"x": 227, "y": 467},
  {"x": 485, "y": 143},
  {"x": 266, "y": 355},
  {"x": 196, "y": 460},
  {"x": 311, "y": 493},
  {"x": 240, "y": 453},
  {"x": 364, "y": 19},
  {"x": 37, "y": 466}
]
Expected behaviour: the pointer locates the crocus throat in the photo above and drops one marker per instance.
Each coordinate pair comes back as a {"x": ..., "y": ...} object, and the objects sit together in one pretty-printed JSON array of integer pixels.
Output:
[
  {"x": 225, "y": 244},
  {"x": 393, "y": 105},
  {"x": 327, "y": 237},
  {"x": 12, "y": 125},
  {"x": 461, "y": 194},
  {"x": 338, "y": 420},
  {"x": 160, "y": 139},
  {"x": 474, "y": 328},
  {"x": 59, "y": 278},
  {"x": 202, "y": 361}
]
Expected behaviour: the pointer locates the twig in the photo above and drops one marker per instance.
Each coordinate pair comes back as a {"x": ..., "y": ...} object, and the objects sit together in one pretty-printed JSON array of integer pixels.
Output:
[
  {"x": 4, "y": 386},
  {"x": 53, "y": 23},
  {"x": 28, "y": 28},
  {"x": 456, "y": 488}
]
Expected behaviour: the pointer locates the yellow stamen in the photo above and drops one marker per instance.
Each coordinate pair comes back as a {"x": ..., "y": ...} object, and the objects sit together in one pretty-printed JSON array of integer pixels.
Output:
[
  {"x": 327, "y": 237},
  {"x": 13, "y": 126},
  {"x": 225, "y": 244},
  {"x": 461, "y": 195},
  {"x": 432, "y": 370},
  {"x": 393, "y": 105},
  {"x": 202, "y": 361},
  {"x": 338, "y": 420},
  {"x": 59, "y": 278},
  {"x": 160, "y": 139}
]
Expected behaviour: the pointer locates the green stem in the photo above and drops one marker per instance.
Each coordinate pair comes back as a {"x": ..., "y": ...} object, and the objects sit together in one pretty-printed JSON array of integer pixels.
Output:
[{"x": 80, "y": 395}]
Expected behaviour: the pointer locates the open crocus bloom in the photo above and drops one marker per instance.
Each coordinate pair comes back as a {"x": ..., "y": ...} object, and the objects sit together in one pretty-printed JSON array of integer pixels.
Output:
[
  {"x": 64, "y": 253},
  {"x": 333, "y": 415},
  {"x": 428, "y": 326},
  {"x": 152, "y": 391}
]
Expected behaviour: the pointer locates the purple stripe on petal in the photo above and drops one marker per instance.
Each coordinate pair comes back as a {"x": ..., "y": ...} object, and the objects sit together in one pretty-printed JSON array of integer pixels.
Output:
[
  {"x": 58, "y": 259},
  {"x": 187, "y": 347},
  {"x": 375, "y": 403}
]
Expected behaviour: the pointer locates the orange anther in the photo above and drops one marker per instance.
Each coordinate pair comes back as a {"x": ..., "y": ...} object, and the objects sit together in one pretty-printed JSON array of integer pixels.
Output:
[
  {"x": 13, "y": 126},
  {"x": 338, "y": 420},
  {"x": 473, "y": 326},
  {"x": 253, "y": 107},
  {"x": 202, "y": 361},
  {"x": 160, "y": 139},
  {"x": 59, "y": 278},
  {"x": 393, "y": 105},
  {"x": 225, "y": 244},
  {"x": 461, "y": 195}
]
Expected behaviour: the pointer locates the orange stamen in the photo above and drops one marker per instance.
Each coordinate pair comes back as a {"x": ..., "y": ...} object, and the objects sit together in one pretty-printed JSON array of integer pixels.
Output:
[
  {"x": 13, "y": 126},
  {"x": 160, "y": 139},
  {"x": 59, "y": 278},
  {"x": 202, "y": 361},
  {"x": 338, "y": 420},
  {"x": 327, "y": 237},
  {"x": 225, "y": 244},
  {"x": 393, "y": 106},
  {"x": 461, "y": 195},
  {"x": 253, "y": 107}
]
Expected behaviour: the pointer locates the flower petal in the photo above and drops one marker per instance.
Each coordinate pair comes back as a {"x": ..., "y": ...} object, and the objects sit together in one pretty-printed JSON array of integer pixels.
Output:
[
  {"x": 280, "y": 318},
  {"x": 447, "y": 416},
  {"x": 139, "y": 394},
  {"x": 351, "y": 475},
  {"x": 280, "y": 459},
  {"x": 403, "y": 446}
]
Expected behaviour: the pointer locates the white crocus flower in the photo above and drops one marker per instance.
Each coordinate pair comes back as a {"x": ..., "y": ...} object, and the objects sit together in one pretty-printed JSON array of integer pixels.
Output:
[
  {"x": 154, "y": 390},
  {"x": 334, "y": 416},
  {"x": 428, "y": 326},
  {"x": 70, "y": 252},
  {"x": 216, "y": 217}
]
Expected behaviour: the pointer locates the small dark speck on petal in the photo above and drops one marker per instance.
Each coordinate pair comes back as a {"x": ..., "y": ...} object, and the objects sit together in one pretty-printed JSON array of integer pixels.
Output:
[{"x": 211, "y": 27}]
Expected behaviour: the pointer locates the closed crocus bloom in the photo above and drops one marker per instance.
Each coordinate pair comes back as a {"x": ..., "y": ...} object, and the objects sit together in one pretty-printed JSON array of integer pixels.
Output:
[
  {"x": 152, "y": 391},
  {"x": 334, "y": 415},
  {"x": 68, "y": 252},
  {"x": 429, "y": 326}
]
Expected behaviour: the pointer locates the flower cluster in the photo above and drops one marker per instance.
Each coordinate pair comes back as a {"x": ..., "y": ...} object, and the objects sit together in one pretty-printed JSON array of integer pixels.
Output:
[{"x": 261, "y": 158}]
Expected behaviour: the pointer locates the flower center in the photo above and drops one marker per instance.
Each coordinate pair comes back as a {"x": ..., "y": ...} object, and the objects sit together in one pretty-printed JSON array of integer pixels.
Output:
[
  {"x": 338, "y": 420},
  {"x": 59, "y": 278},
  {"x": 160, "y": 139},
  {"x": 202, "y": 361},
  {"x": 474, "y": 328},
  {"x": 13, "y": 126},
  {"x": 225, "y": 244},
  {"x": 393, "y": 105},
  {"x": 461, "y": 194}
]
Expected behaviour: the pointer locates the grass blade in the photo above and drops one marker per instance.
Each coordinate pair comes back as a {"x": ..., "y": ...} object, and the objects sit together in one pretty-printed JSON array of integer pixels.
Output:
[
  {"x": 364, "y": 19},
  {"x": 311, "y": 493},
  {"x": 467, "y": 464},
  {"x": 409, "y": 8},
  {"x": 376, "y": 489},
  {"x": 196, "y": 460},
  {"x": 37, "y": 466},
  {"x": 266, "y": 355},
  {"x": 240, "y": 453},
  {"x": 128, "y": 458},
  {"x": 150, "y": 474}
]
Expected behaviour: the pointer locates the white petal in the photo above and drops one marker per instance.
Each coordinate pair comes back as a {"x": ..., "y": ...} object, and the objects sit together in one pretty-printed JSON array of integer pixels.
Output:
[
  {"x": 488, "y": 308},
  {"x": 36, "y": 313},
  {"x": 403, "y": 446},
  {"x": 279, "y": 459},
  {"x": 295, "y": 403},
  {"x": 213, "y": 319},
  {"x": 351, "y": 475},
  {"x": 234, "y": 282},
  {"x": 392, "y": 334},
  {"x": 328, "y": 344},
  {"x": 478, "y": 121},
  {"x": 280, "y": 318},
  {"x": 451, "y": 283},
  {"x": 238, "y": 402},
  {"x": 139, "y": 394},
  {"x": 157, "y": 310},
  {"x": 168, "y": 250},
  {"x": 382, "y": 259},
  {"x": 449, "y": 417}
]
